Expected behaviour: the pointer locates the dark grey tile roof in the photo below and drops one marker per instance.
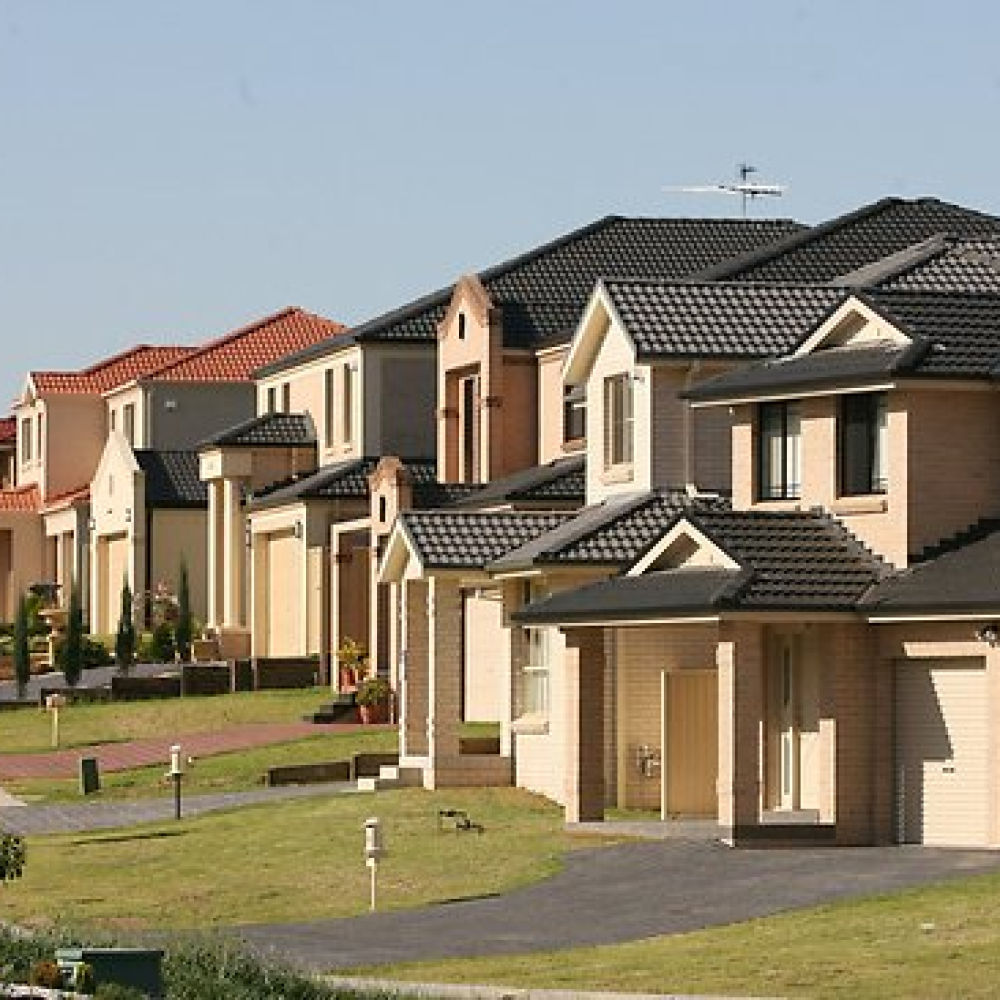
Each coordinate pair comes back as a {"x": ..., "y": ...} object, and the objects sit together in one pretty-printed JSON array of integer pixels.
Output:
[
  {"x": 957, "y": 265},
  {"x": 624, "y": 598},
  {"x": 965, "y": 579},
  {"x": 279, "y": 430},
  {"x": 336, "y": 481},
  {"x": 846, "y": 244},
  {"x": 542, "y": 292},
  {"x": 561, "y": 482},
  {"x": 787, "y": 561},
  {"x": 711, "y": 320},
  {"x": 854, "y": 366},
  {"x": 614, "y": 533},
  {"x": 432, "y": 495},
  {"x": 954, "y": 335},
  {"x": 470, "y": 540},
  {"x": 172, "y": 479}
]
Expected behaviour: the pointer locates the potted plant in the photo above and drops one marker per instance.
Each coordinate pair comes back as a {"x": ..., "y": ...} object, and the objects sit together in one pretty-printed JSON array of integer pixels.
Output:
[
  {"x": 372, "y": 698},
  {"x": 353, "y": 664}
]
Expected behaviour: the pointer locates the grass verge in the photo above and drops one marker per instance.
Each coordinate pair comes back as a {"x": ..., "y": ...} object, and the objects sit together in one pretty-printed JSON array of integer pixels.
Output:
[
  {"x": 287, "y": 861},
  {"x": 227, "y": 772},
  {"x": 940, "y": 941}
]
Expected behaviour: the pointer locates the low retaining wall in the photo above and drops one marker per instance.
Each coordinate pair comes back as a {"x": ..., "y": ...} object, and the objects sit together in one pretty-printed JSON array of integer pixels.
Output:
[
  {"x": 308, "y": 774},
  {"x": 270, "y": 673},
  {"x": 206, "y": 678},
  {"x": 129, "y": 688}
]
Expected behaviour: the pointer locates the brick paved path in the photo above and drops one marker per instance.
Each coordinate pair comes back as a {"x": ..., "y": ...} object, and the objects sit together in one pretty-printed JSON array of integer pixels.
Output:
[{"x": 139, "y": 753}]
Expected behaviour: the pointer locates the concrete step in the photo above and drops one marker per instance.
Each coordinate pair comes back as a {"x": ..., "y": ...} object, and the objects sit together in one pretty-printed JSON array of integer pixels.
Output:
[
  {"x": 341, "y": 709},
  {"x": 393, "y": 776}
]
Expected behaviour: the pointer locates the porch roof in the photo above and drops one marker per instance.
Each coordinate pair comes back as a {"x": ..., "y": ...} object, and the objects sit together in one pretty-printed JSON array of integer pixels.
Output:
[
  {"x": 335, "y": 481},
  {"x": 470, "y": 539},
  {"x": 172, "y": 479},
  {"x": 557, "y": 483},
  {"x": 615, "y": 532},
  {"x": 966, "y": 578},
  {"x": 275, "y": 430},
  {"x": 784, "y": 561}
]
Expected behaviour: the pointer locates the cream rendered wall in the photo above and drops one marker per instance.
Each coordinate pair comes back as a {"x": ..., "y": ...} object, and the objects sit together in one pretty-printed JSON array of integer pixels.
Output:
[
  {"x": 179, "y": 416},
  {"x": 550, "y": 404},
  {"x": 617, "y": 356},
  {"x": 116, "y": 401},
  {"x": 22, "y": 549},
  {"x": 75, "y": 431},
  {"x": 179, "y": 535}
]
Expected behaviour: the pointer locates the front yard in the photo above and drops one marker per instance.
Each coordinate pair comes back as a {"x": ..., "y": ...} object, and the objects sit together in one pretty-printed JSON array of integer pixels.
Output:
[{"x": 288, "y": 861}]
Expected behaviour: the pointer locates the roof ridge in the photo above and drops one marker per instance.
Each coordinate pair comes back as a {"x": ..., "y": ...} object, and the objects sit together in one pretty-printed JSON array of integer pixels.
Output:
[{"x": 793, "y": 241}]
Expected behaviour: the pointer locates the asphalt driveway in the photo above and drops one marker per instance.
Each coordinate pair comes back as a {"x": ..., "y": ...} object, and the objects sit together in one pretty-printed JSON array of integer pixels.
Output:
[{"x": 615, "y": 894}]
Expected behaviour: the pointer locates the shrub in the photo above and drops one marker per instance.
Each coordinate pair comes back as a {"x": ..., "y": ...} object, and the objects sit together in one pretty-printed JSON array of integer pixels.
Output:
[
  {"x": 125, "y": 637},
  {"x": 115, "y": 991},
  {"x": 373, "y": 691},
  {"x": 45, "y": 973},
  {"x": 95, "y": 652},
  {"x": 13, "y": 855},
  {"x": 163, "y": 648}
]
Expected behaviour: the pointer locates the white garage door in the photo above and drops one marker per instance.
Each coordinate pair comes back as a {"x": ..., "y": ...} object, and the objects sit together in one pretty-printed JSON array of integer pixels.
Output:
[{"x": 942, "y": 752}]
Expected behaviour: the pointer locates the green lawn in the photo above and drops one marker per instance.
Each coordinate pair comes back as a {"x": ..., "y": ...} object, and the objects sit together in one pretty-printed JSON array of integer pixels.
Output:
[
  {"x": 114, "y": 722},
  {"x": 937, "y": 942},
  {"x": 228, "y": 772},
  {"x": 294, "y": 860}
]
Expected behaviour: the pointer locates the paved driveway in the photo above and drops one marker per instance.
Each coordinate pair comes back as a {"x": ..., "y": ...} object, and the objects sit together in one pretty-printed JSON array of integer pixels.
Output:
[{"x": 615, "y": 894}]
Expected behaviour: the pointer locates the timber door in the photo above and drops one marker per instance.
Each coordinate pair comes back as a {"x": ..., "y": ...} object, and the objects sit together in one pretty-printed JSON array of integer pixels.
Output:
[{"x": 690, "y": 740}]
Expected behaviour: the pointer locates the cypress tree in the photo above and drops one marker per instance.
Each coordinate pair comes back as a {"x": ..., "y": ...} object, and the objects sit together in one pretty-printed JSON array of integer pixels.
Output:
[
  {"x": 22, "y": 650},
  {"x": 184, "y": 629},
  {"x": 72, "y": 650},
  {"x": 125, "y": 637}
]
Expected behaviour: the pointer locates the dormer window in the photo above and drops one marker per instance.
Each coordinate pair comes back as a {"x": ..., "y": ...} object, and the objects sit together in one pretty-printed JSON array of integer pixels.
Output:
[
  {"x": 461, "y": 326},
  {"x": 779, "y": 451},
  {"x": 862, "y": 439},
  {"x": 574, "y": 414}
]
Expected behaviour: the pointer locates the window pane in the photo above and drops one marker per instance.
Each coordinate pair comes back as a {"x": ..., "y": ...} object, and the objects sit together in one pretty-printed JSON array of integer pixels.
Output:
[
  {"x": 880, "y": 472},
  {"x": 793, "y": 453}
]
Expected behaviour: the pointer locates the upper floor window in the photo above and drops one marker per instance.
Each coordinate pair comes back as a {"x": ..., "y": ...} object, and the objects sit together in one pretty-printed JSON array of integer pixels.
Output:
[
  {"x": 286, "y": 397},
  {"x": 25, "y": 440},
  {"x": 328, "y": 410},
  {"x": 618, "y": 420},
  {"x": 40, "y": 435},
  {"x": 128, "y": 422},
  {"x": 347, "y": 405},
  {"x": 461, "y": 326},
  {"x": 574, "y": 414},
  {"x": 863, "y": 437},
  {"x": 272, "y": 399},
  {"x": 779, "y": 451},
  {"x": 468, "y": 417},
  {"x": 534, "y": 681}
]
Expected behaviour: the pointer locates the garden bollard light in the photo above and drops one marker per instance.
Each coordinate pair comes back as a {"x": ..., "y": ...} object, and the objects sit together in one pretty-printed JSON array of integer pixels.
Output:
[
  {"x": 374, "y": 851},
  {"x": 176, "y": 773},
  {"x": 53, "y": 702}
]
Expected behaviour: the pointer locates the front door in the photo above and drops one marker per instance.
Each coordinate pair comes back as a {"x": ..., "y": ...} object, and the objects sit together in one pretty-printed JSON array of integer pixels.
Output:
[
  {"x": 788, "y": 722},
  {"x": 690, "y": 739}
]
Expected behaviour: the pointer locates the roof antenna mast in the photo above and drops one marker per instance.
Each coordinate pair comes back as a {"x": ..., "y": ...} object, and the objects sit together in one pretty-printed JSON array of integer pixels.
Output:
[{"x": 743, "y": 186}]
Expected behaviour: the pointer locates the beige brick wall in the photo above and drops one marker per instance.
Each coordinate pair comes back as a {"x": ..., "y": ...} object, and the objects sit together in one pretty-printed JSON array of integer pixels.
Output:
[
  {"x": 486, "y": 658},
  {"x": 415, "y": 686}
]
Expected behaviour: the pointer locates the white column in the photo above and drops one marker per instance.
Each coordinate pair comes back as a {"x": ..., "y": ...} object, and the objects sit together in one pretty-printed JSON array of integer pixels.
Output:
[
  {"x": 232, "y": 554},
  {"x": 215, "y": 567}
]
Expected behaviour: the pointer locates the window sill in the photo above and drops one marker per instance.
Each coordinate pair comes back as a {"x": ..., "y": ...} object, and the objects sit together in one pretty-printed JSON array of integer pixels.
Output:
[
  {"x": 530, "y": 725},
  {"x": 780, "y": 505},
  {"x": 575, "y": 444},
  {"x": 618, "y": 474},
  {"x": 875, "y": 503}
]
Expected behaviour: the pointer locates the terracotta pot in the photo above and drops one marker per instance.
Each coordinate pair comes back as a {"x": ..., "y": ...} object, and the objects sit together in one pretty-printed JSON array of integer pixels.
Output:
[{"x": 371, "y": 715}]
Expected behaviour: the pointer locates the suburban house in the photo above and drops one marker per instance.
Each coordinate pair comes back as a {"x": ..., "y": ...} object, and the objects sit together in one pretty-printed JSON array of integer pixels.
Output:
[
  {"x": 61, "y": 426},
  {"x": 790, "y": 651},
  {"x": 149, "y": 508},
  {"x": 456, "y": 374}
]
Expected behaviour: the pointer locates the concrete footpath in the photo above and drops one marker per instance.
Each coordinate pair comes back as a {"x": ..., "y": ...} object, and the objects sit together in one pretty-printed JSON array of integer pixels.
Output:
[{"x": 613, "y": 894}]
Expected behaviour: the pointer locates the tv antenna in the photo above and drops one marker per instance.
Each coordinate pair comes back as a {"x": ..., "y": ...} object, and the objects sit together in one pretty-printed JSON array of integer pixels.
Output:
[{"x": 743, "y": 186}]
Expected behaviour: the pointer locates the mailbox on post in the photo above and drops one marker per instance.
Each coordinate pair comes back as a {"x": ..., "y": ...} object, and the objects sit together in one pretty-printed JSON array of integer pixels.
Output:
[{"x": 53, "y": 702}]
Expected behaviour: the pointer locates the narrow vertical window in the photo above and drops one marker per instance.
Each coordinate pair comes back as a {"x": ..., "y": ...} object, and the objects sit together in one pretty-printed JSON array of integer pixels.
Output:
[
  {"x": 286, "y": 397},
  {"x": 469, "y": 428},
  {"x": 26, "y": 440},
  {"x": 128, "y": 422},
  {"x": 328, "y": 407},
  {"x": 272, "y": 399},
  {"x": 574, "y": 414},
  {"x": 618, "y": 421},
  {"x": 779, "y": 450},
  {"x": 863, "y": 437},
  {"x": 347, "y": 406},
  {"x": 40, "y": 436}
]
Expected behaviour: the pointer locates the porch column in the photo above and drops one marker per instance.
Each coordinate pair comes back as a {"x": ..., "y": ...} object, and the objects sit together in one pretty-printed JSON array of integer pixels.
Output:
[
  {"x": 444, "y": 686},
  {"x": 214, "y": 552},
  {"x": 740, "y": 660},
  {"x": 232, "y": 554},
  {"x": 584, "y": 707},
  {"x": 413, "y": 683}
]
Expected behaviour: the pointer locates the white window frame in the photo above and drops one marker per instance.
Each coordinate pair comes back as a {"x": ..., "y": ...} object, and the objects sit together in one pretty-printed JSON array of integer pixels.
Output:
[{"x": 619, "y": 421}]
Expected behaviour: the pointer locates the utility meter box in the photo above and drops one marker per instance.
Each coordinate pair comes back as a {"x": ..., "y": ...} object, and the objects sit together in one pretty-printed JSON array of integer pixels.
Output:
[
  {"x": 374, "y": 840},
  {"x": 176, "y": 761}
]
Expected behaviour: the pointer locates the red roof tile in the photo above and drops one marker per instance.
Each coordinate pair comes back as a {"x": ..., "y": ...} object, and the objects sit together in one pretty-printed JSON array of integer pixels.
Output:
[
  {"x": 236, "y": 356},
  {"x": 67, "y": 499},
  {"x": 8, "y": 430},
  {"x": 114, "y": 371},
  {"x": 26, "y": 498}
]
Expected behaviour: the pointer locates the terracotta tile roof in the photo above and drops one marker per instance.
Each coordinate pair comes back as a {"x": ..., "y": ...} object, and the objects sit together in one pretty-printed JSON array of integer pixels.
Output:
[
  {"x": 8, "y": 430},
  {"x": 67, "y": 499},
  {"x": 24, "y": 499},
  {"x": 236, "y": 356},
  {"x": 114, "y": 371}
]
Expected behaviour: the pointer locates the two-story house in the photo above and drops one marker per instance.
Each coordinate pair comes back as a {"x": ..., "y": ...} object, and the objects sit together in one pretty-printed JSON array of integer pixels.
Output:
[
  {"x": 149, "y": 508},
  {"x": 719, "y": 669}
]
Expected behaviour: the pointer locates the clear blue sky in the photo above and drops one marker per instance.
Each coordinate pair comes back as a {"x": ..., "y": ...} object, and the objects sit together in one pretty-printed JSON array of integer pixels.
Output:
[{"x": 171, "y": 170}]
